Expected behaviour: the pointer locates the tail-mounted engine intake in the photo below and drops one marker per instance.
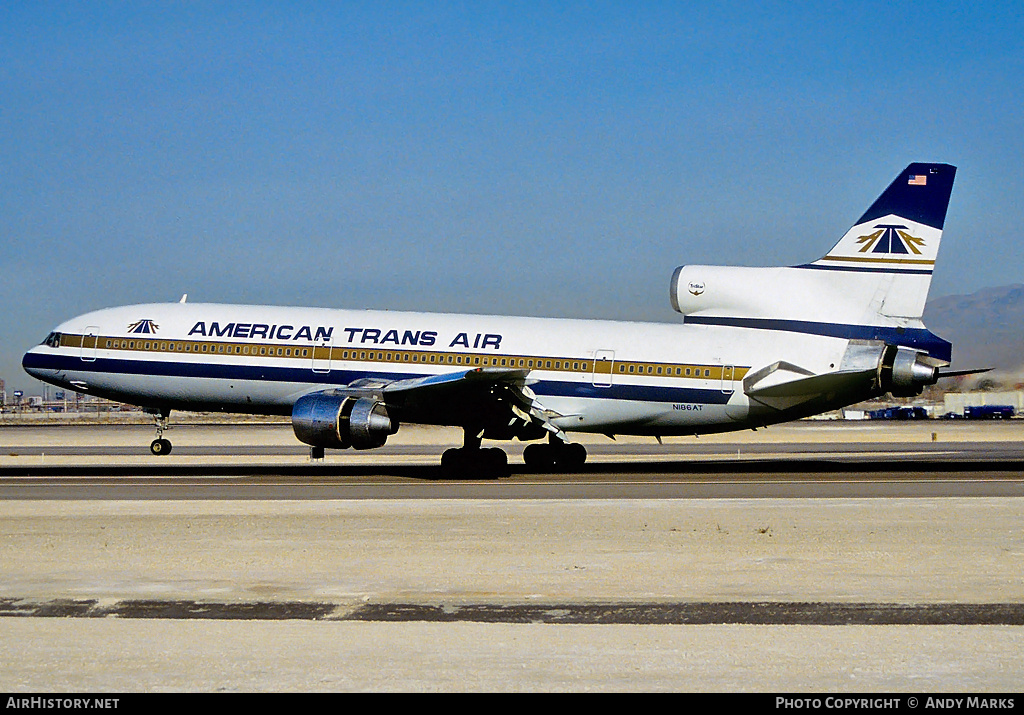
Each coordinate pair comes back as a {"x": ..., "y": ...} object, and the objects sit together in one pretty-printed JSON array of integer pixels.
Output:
[
  {"x": 905, "y": 372},
  {"x": 323, "y": 419}
]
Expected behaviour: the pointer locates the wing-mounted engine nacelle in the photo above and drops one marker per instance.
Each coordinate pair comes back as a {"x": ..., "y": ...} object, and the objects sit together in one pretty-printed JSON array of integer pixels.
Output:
[
  {"x": 322, "y": 419},
  {"x": 905, "y": 372}
]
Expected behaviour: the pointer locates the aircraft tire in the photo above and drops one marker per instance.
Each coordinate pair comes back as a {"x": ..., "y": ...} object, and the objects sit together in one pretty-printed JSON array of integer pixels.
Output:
[
  {"x": 460, "y": 463},
  {"x": 573, "y": 456},
  {"x": 160, "y": 447},
  {"x": 539, "y": 456},
  {"x": 494, "y": 463},
  {"x": 558, "y": 457}
]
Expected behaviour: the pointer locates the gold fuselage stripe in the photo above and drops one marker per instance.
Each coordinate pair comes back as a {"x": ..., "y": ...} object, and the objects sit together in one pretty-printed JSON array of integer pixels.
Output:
[
  {"x": 868, "y": 259},
  {"x": 433, "y": 358}
]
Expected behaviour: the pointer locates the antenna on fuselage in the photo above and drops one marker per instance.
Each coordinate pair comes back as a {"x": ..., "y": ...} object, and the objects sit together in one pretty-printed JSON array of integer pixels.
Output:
[{"x": 184, "y": 298}]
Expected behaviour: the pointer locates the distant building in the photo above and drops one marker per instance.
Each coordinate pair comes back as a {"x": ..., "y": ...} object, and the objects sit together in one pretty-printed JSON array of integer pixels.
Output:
[{"x": 957, "y": 401}]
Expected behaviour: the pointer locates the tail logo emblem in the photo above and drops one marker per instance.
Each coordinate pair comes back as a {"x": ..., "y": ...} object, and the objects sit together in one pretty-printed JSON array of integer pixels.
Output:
[
  {"x": 891, "y": 238},
  {"x": 143, "y": 326},
  {"x": 696, "y": 287}
]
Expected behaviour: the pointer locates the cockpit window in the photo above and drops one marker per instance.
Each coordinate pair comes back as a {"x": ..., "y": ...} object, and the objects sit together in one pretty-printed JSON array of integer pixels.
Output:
[{"x": 52, "y": 340}]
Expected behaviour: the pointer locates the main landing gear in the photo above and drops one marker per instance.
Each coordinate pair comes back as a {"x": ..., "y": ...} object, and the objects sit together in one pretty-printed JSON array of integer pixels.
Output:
[
  {"x": 471, "y": 461},
  {"x": 161, "y": 446},
  {"x": 555, "y": 455}
]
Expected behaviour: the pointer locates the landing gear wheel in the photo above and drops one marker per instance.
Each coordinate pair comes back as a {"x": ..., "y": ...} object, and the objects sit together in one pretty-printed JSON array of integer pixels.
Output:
[
  {"x": 555, "y": 456},
  {"x": 573, "y": 456},
  {"x": 468, "y": 463},
  {"x": 160, "y": 447},
  {"x": 539, "y": 456},
  {"x": 495, "y": 463}
]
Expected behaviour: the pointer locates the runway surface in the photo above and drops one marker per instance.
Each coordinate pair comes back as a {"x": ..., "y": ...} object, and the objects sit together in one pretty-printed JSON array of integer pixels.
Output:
[
  {"x": 266, "y": 462},
  {"x": 818, "y": 557}
]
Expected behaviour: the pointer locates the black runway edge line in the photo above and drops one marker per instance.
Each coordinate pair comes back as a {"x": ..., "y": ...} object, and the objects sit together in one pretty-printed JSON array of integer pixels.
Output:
[{"x": 688, "y": 613}]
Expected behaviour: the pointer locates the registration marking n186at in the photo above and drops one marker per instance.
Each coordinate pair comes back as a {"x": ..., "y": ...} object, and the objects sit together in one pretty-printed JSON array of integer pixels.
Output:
[{"x": 688, "y": 408}]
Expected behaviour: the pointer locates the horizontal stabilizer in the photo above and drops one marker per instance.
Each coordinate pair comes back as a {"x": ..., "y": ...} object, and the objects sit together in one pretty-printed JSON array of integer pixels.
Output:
[
  {"x": 814, "y": 385},
  {"x": 964, "y": 373},
  {"x": 783, "y": 386}
]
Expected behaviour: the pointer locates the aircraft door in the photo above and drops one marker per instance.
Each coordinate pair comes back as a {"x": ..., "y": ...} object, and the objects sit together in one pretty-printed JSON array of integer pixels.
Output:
[
  {"x": 322, "y": 354},
  {"x": 604, "y": 361},
  {"x": 90, "y": 338},
  {"x": 728, "y": 378}
]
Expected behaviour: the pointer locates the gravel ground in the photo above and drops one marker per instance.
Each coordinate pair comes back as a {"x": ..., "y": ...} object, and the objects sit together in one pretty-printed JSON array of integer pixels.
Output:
[{"x": 464, "y": 552}]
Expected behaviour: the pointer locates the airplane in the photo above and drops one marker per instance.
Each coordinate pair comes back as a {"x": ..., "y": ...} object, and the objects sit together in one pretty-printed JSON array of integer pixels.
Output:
[{"x": 756, "y": 347}]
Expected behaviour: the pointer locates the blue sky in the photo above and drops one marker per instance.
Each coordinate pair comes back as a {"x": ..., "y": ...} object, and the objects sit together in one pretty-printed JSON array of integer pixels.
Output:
[{"x": 537, "y": 158}]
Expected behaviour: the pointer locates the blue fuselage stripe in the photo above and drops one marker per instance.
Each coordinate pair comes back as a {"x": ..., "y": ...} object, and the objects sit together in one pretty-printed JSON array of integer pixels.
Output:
[
  {"x": 919, "y": 338},
  {"x": 300, "y": 375},
  {"x": 868, "y": 269}
]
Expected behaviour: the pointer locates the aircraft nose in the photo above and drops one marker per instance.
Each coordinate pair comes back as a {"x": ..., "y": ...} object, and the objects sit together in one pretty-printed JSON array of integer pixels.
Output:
[
  {"x": 38, "y": 364},
  {"x": 30, "y": 364}
]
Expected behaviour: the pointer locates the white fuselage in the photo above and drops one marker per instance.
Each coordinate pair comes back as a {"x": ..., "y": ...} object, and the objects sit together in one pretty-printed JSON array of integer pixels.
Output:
[{"x": 589, "y": 375}]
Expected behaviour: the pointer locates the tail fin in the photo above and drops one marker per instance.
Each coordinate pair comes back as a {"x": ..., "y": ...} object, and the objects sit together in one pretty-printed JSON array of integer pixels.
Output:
[
  {"x": 898, "y": 238},
  {"x": 872, "y": 285}
]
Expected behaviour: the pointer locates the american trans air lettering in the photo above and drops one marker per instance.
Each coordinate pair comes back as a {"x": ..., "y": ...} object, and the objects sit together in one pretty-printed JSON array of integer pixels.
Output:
[
  {"x": 351, "y": 336},
  {"x": 263, "y": 331},
  {"x": 755, "y": 347},
  {"x": 424, "y": 338}
]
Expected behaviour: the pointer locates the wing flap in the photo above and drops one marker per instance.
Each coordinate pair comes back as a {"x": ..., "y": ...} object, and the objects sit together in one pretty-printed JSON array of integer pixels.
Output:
[{"x": 469, "y": 392}]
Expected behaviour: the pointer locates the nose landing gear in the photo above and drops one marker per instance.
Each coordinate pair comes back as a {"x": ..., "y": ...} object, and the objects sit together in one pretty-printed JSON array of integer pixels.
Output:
[{"x": 161, "y": 446}]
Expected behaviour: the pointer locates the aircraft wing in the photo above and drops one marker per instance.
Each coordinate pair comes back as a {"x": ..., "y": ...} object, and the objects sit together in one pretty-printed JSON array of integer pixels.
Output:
[
  {"x": 492, "y": 392},
  {"x": 494, "y": 397}
]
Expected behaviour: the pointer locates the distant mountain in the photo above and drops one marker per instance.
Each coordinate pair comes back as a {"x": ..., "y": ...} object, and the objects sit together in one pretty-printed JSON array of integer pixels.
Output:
[{"x": 986, "y": 328}]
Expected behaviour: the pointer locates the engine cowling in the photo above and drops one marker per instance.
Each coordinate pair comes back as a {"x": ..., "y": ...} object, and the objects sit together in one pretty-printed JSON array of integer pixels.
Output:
[
  {"x": 322, "y": 419},
  {"x": 905, "y": 372}
]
